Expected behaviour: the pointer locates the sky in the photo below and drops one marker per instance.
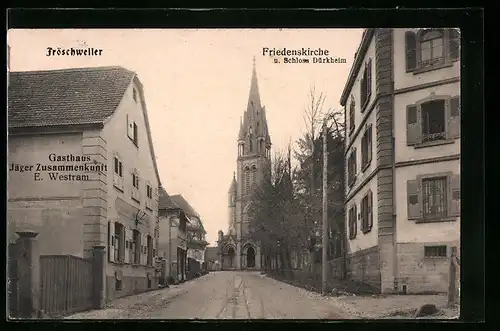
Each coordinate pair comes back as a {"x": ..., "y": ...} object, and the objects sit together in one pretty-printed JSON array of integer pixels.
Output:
[{"x": 196, "y": 84}]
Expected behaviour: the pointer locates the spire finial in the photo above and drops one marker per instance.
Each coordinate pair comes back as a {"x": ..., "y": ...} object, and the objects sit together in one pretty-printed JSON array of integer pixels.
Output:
[
  {"x": 254, "y": 62},
  {"x": 234, "y": 174}
]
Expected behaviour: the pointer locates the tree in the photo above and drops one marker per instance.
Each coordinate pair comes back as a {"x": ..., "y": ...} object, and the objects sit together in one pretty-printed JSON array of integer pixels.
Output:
[{"x": 272, "y": 210}]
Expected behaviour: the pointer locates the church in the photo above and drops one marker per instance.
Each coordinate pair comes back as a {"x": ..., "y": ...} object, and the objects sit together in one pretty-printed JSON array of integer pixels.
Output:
[{"x": 237, "y": 250}]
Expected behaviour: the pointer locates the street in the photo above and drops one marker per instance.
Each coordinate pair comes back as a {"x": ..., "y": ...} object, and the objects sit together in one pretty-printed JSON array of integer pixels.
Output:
[{"x": 222, "y": 295}]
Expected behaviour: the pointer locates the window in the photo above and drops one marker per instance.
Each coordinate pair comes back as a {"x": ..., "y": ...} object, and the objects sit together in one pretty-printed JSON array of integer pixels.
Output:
[
  {"x": 430, "y": 48},
  {"x": 434, "y": 197},
  {"x": 435, "y": 251},
  {"x": 136, "y": 242},
  {"x": 117, "y": 173},
  {"x": 119, "y": 243},
  {"x": 135, "y": 180},
  {"x": 118, "y": 167},
  {"x": 366, "y": 85},
  {"x": 367, "y": 212},
  {"x": 351, "y": 168},
  {"x": 118, "y": 281},
  {"x": 247, "y": 180},
  {"x": 132, "y": 131},
  {"x": 352, "y": 108},
  {"x": 352, "y": 222},
  {"x": 254, "y": 176},
  {"x": 433, "y": 120},
  {"x": 149, "y": 191},
  {"x": 366, "y": 148}
]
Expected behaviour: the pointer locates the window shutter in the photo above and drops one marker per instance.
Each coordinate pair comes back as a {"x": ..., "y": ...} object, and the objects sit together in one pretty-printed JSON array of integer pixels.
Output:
[
  {"x": 122, "y": 245},
  {"x": 369, "y": 142},
  {"x": 454, "y": 195},
  {"x": 453, "y": 113},
  {"x": 411, "y": 51},
  {"x": 369, "y": 79},
  {"x": 355, "y": 171},
  {"x": 414, "y": 201},
  {"x": 351, "y": 223},
  {"x": 127, "y": 248},
  {"x": 130, "y": 128},
  {"x": 413, "y": 125},
  {"x": 111, "y": 241},
  {"x": 144, "y": 250},
  {"x": 355, "y": 220},
  {"x": 363, "y": 216},
  {"x": 370, "y": 210}
]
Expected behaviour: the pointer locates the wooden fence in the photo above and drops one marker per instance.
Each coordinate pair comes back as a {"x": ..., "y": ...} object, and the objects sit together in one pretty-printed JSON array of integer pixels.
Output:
[{"x": 66, "y": 284}]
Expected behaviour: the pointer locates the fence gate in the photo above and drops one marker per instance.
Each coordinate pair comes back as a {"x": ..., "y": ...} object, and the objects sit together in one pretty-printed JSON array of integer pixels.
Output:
[
  {"x": 13, "y": 280},
  {"x": 66, "y": 284}
]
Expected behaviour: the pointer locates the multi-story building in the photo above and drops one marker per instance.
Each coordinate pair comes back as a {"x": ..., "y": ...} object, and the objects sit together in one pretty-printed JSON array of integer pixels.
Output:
[
  {"x": 173, "y": 237},
  {"x": 402, "y": 110},
  {"x": 83, "y": 171}
]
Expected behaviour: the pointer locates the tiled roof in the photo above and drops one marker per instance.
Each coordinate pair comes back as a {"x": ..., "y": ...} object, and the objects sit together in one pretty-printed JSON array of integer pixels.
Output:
[
  {"x": 65, "y": 97},
  {"x": 165, "y": 202},
  {"x": 184, "y": 205}
]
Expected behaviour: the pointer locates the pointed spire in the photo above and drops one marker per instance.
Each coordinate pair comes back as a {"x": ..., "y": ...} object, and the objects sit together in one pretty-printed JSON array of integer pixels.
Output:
[
  {"x": 233, "y": 187},
  {"x": 254, "y": 97},
  {"x": 241, "y": 134}
]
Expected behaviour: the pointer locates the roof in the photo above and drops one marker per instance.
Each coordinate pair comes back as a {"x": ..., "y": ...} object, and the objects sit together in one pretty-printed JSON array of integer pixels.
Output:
[
  {"x": 71, "y": 97},
  {"x": 165, "y": 202},
  {"x": 358, "y": 60},
  {"x": 65, "y": 97},
  {"x": 184, "y": 205}
]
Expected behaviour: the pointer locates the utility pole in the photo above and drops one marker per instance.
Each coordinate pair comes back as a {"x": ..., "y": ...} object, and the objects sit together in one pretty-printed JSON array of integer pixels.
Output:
[{"x": 325, "y": 209}]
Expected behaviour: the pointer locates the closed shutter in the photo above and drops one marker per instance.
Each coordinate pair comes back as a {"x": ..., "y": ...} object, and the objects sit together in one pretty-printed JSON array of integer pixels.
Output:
[
  {"x": 369, "y": 142},
  {"x": 355, "y": 171},
  {"x": 144, "y": 241},
  {"x": 122, "y": 245},
  {"x": 413, "y": 125},
  {"x": 355, "y": 220},
  {"x": 454, "y": 195},
  {"x": 414, "y": 200},
  {"x": 453, "y": 112},
  {"x": 111, "y": 241},
  {"x": 127, "y": 244},
  {"x": 411, "y": 51},
  {"x": 363, "y": 215},
  {"x": 370, "y": 210},
  {"x": 369, "y": 80}
]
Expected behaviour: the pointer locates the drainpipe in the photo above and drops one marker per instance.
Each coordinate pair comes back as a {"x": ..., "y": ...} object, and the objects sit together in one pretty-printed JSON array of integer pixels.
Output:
[{"x": 394, "y": 209}]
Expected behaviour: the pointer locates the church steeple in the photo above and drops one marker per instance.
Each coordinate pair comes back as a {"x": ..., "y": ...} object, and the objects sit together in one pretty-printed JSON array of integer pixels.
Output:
[{"x": 253, "y": 136}]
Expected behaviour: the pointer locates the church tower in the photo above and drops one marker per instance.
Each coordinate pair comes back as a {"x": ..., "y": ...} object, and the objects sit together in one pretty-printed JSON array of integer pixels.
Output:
[{"x": 254, "y": 151}]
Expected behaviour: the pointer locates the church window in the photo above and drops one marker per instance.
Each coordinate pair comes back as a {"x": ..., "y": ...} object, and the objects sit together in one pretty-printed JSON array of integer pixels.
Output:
[
  {"x": 250, "y": 145},
  {"x": 247, "y": 180},
  {"x": 254, "y": 176}
]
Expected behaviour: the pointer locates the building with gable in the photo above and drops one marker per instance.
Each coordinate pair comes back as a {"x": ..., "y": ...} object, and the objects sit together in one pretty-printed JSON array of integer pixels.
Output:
[
  {"x": 236, "y": 248},
  {"x": 83, "y": 172}
]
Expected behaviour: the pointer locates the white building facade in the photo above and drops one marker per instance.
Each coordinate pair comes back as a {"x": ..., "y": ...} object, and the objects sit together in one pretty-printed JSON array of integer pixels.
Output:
[{"x": 402, "y": 107}]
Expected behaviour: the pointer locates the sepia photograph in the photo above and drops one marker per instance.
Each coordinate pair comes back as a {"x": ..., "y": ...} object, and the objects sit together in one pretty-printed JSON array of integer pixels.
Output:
[{"x": 239, "y": 174}]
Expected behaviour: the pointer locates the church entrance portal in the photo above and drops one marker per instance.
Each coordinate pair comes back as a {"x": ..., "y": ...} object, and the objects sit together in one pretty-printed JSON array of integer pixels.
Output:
[
  {"x": 250, "y": 257},
  {"x": 230, "y": 254}
]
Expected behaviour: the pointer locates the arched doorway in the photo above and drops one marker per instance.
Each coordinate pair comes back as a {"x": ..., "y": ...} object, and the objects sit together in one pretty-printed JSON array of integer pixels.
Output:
[
  {"x": 230, "y": 254},
  {"x": 250, "y": 257}
]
